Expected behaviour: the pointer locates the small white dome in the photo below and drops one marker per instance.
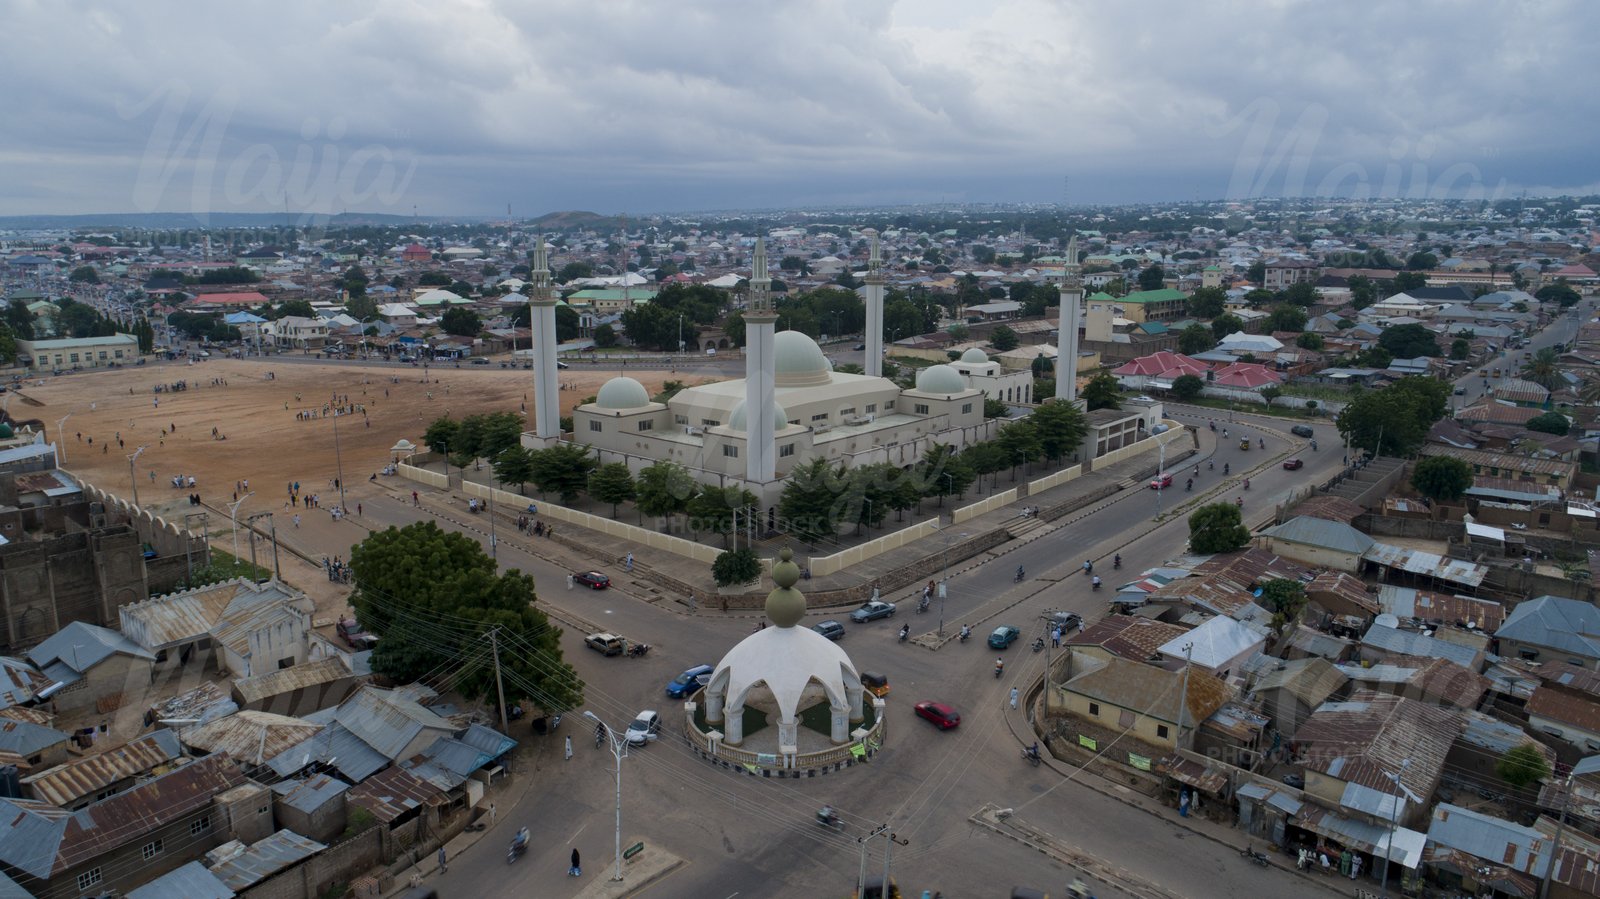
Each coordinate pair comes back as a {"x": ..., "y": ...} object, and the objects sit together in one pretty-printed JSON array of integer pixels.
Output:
[
  {"x": 974, "y": 355},
  {"x": 780, "y": 418},
  {"x": 940, "y": 379},
  {"x": 798, "y": 361},
  {"x": 622, "y": 393}
]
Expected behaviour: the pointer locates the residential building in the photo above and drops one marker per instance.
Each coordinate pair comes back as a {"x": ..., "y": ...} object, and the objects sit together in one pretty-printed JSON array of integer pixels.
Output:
[
  {"x": 294, "y": 332},
  {"x": 85, "y": 781},
  {"x": 1215, "y": 647},
  {"x": 1517, "y": 468},
  {"x": 1118, "y": 695},
  {"x": 1552, "y": 630},
  {"x": 31, "y": 746},
  {"x": 1282, "y": 272},
  {"x": 314, "y": 807},
  {"x": 1318, "y": 542},
  {"x": 1291, "y": 690},
  {"x": 90, "y": 668},
  {"x": 241, "y": 866}
]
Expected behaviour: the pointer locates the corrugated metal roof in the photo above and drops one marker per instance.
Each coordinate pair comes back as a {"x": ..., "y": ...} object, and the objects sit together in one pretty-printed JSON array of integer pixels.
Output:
[
  {"x": 264, "y": 858},
  {"x": 167, "y": 621},
  {"x": 1376, "y": 736},
  {"x": 65, "y": 784},
  {"x": 81, "y": 646},
  {"x": 10, "y": 890},
  {"x": 1390, "y": 639},
  {"x": 1321, "y": 532},
  {"x": 311, "y": 794},
  {"x": 392, "y": 793},
  {"x": 253, "y": 738},
  {"x": 1409, "y": 602},
  {"x": 296, "y": 677},
  {"x": 25, "y": 739},
  {"x": 192, "y": 881},
  {"x": 488, "y": 741},
  {"x": 19, "y": 681},
  {"x": 387, "y": 721},
  {"x": 1495, "y": 840},
  {"x": 237, "y": 625},
  {"x": 1213, "y": 644},
  {"x": 1568, "y": 625},
  {"x": 355, "y": 759},
  {"x": 204, "y": 703}
]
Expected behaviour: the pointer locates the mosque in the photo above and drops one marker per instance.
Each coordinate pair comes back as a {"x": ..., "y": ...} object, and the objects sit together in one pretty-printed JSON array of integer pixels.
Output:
[{"x": 802, "y": 408}]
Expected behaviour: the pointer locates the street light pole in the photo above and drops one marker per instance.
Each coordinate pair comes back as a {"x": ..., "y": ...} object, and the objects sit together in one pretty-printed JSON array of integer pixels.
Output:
[
  {"x": 338, "y": 460},
  {"x": 1394, "y": 819},
  {"x": 944, "y": 579},
  {"x": 233, "y": 516},
  {"x": 618, "y": 750},
  {"x": 133, "y": 481},
  {"x": 61, "y": 439}
]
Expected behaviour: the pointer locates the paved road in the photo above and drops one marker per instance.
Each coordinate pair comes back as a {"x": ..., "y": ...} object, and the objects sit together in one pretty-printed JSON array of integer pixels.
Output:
[{"x": 1562, "y": 330}]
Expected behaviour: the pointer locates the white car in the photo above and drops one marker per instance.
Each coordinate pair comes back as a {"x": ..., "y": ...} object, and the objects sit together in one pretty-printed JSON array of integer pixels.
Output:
[{"x": 645, "y": 729}]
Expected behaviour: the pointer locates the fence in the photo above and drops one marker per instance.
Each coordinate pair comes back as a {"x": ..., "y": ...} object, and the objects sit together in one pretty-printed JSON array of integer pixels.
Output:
[
  {"x": 995, "y": 501},
  {"x": 808, "y": 764},
  {"x": 824, "y": 565},
  {"x": 422, "y": 475},
  {"x": 1173, "y": 433},
  {"x": 632, "y": 533},
  {"x": 1055, "y": 480}
]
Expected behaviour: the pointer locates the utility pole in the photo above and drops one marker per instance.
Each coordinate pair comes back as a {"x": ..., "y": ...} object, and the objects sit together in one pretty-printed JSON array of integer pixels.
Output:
[
  {"x": 888, "y": 847},
  {"x": 188, "y": 545},
  {"x": 338, "y": 461},
  {"x": 1183, "y": 697},
  {"x": 499, "y": 686},
  {"x": 1555, "y": 847},
  {"x": 861, "y": 875}
]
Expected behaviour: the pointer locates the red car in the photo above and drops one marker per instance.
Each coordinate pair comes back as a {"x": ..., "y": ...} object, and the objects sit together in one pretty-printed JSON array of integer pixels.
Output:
[
  {"x": 1293, "y": 465},
  {"x": 943, "y": 716},
  {"x": 1161, "y": 481},
  {"x": 594, "y": 580}
]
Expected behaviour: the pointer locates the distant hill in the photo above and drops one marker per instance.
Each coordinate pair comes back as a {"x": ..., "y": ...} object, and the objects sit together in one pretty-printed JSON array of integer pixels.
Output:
[
  {"x": 572, "y": 219},
  {"x": 177, "y": 220}
]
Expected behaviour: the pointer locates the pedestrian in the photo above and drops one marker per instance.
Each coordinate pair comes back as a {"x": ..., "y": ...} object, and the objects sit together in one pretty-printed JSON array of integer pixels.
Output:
[
  {"x": 297, "y": 519},
  {"x": 1013, "y": 697},
  {"x": 569, "y": 582},
  {"x": 1080, "y": 625},
  {"x": 575, "y": 870},
  {"x": 443, "y": 867},
  {"x": 629, "y": 564},
  {"x": 569, "y": 749},
  {"x": 1055, "y": 638},
  {"x": 414, "y": 500},
  {"x": 358, "y": 508},
  {"x": 491, "y": 807}
]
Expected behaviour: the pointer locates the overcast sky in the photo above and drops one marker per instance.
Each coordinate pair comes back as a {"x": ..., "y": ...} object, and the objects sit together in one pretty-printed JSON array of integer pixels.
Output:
[{"x": 465, "y": 107}]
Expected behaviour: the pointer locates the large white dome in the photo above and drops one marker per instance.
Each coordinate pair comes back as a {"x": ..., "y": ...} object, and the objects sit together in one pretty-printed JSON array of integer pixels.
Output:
[
  {"x": 798, "y": 361},
  {"x": 622, "y": 393},
  {"x": 790, "y": 662},
  {"x": 780, "y": 418},
  {"x": 940, "y": 379}
]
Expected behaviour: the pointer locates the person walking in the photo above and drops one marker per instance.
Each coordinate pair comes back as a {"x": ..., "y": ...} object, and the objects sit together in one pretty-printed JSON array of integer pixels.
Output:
[
  {"x": 629, "y": 562},
  {"x": 297, "y": 520},
  {"x": 443, "y": 867},
  {"x": 576, "y": 869},
  {"x": 1013, "y": 697},
  {"x": 1055, "y": 638},
  {"x": 569, "y": 582}
]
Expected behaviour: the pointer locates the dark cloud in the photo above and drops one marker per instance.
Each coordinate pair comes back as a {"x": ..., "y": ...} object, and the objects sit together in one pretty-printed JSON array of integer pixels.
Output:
[{"x": 642, "y": 106}]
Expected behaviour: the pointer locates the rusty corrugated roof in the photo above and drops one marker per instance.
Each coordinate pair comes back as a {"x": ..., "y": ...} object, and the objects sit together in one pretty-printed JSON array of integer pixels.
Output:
[{"x": 65, "y": 784}]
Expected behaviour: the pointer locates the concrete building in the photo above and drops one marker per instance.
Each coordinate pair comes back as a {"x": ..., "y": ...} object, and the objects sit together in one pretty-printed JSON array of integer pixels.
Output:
[
  {"x": 1011, "y": 387},
  {"x": 1115, "y": 694},
  {"x": 90, "y": 668},
  {"x": 85, "y": 781},
  {"x": 1281, "y": 273},
  {"x": 292, "y": 332},
  {"x": 1318, "y": 542},
  {"x": 1553, "y": 630},
  {"x": 314, "y": 807},
  {"x": 76, "y": 575},
  {"x": 72, "y": 353}
]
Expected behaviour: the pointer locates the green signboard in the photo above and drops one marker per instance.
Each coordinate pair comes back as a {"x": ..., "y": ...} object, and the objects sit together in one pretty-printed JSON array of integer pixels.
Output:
[
  {"x": 1087, "y": 742},
  {"x": 633, "y": 850},
  {"x": 1139, "y": 761}
]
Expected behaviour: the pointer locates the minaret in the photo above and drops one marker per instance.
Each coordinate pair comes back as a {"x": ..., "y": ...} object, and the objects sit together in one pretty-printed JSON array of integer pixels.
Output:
[
  {"x": 874, "y": 341},
  {"x": 760, "y": 464},
  {"x": 542, "y": 305},
  {"x": 1067, "y": 333}
]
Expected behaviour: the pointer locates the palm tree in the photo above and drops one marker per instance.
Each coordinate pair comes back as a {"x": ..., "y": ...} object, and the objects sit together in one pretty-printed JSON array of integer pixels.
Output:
[
  {"x": 1543, "y": 368},
  {"x": 1589, "y": 393}
]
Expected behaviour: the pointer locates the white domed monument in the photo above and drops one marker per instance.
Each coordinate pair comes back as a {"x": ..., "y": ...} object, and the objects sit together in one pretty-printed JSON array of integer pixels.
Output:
[{"x": 794, "y": 677}]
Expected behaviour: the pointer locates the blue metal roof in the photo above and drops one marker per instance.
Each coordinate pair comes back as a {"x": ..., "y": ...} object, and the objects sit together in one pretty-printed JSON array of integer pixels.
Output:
[
  {"x": 309, "y": 795},
  {"x": 488, "y": 741},
  {"x": 265, "y": 858},
  {"x": 25, "y": 738},
  {"x": 1557, "y": 623},
  {"x": 10, "y": 890},
  {"x": 82, "y": 646},
  {"x": 192, "y": 881},
  {"x": 346, "y": 752}
]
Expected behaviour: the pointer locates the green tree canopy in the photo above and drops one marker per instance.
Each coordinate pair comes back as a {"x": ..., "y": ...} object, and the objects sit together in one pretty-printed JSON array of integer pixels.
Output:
[
  {"x": 1060, "y": 427},
  {"x": 1309, "y": 340},
  {"x": 1422, "y": 262},
  {"x": 1394, "y": 420},
  {"x": 1195, "y": 338},
  {"x": 943, "y": 472},
  {"x": 461, "y": 322},
  {"x": 562, "y": 469},
  {"x": 1523, "y": 766},
  {"x": 1409, "y": 341},
  {"x": 1558, "y": 292},
  {"x": 1152, "y": 278},
  {"x": 1187, "y": 387},
  {"x": 1543, "y": 368},
  {"x": 1408, "y": 281},
  {"x": 432, "y": 597},
  {"x": 1285, "y": 317},
  {"x": 736, "y": 566},
  {"x": 1270, "y": 393},
  {"x": 84, "y": 274},
  {"x": 612, "y": 483},
  {"x": 1217, "y": 528},
  {"x": 1004, "y": 339},
  {"x": 1207, "y": 302},
  {"x": 1285, "y": 598},
  {"x": 1301, "y": 294},
  {"x": 514, "y": 466},
  {"x": 665, "y": 489},
  {"x": 806, "y": 504},
  {"x": 1223, "y": 325},
  {"x": 1102, "y": 392},
  {"x": 712, "y": 509},
  {"x": 1441, "y": 478},
  {"x": 1550, "y": 423}
]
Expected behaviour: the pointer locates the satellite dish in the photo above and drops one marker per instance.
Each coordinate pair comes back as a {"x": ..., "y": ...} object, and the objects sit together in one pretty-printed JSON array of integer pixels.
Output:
[{"x": 1387, "y": 620}]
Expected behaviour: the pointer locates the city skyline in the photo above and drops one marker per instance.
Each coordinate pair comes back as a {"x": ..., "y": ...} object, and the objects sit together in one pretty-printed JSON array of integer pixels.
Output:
[{"x": 467, "y": 110}]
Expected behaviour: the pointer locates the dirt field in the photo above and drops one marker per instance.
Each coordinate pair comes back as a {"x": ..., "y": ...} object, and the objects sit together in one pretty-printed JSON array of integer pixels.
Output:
[{"x": 266, "y": 444}]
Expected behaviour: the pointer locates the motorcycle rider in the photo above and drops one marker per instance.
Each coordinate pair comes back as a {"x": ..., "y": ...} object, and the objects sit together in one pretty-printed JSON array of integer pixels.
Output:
[
  {"x": 966, "y": 631},
  {"x": 905, "y": 631},
  {"x": 1094, "y": 582},
  {"x": 1019, "y": 573},
  {"x": 1033, "y": 751},
  {"x": 999, "y": 666},
  {"x": 1088, "y": 567},
  {"x": 1116, "y": 561},
  {"x": 1226, "y": 468},
  {"x": 520, "y": 841}
]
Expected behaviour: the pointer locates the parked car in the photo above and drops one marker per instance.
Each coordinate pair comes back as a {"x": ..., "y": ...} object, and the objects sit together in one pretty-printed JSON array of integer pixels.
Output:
[
  {"x": 831, "y": 629},
  {"x": 860, "y": 346},
  {"x": 354, "y": 635},
  {"x": 1293, "y": 465},
  {"x": 479, "y": 360},
  {"x": 872, "y": 611},
  {"x": 1161, "y": 481},
  {"x": 560, "y": 364},
  {"x": 606, "y": 644},
  {"x": 689, "y": 681},
  {"x": 1067, "y": 621},
  {"x": 1003, "y": 636},
  {"x": 594, "y": 580},
  {"x": 1302, "y": 431},
  {"x": 942, "y": 716},
  {"x": 645, "y": 729}
]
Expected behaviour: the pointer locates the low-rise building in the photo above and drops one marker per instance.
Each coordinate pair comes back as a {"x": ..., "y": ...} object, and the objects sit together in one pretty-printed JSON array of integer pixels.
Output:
[
  {"x": 1319, "y": 542},
  {"x": 71, "y": 353},
  {"x": 90, "y": 668},
  {"x": 88, "y": 780},
  {"x": 1147, "y": 702},
  {"x": 1553, "y": 630}
]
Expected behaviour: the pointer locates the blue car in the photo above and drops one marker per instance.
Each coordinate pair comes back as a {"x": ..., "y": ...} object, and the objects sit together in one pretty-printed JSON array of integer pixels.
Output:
[
  {"x": 1003, "y": 636},
  {"x": 688, "y": 682}
]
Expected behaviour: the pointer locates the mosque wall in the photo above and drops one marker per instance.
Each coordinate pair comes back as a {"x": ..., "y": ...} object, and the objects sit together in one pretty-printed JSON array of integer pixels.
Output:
[
  {"x": 825, "y": 565},
  {"x": 996, "y": 501}
]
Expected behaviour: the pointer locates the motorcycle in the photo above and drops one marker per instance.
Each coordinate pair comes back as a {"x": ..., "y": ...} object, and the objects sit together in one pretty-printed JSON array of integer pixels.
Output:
[
  {"x": 905, "y": 631},
  {"x": 1313, "y": 446},
  {"x": 1188, "y": 486},
  {"x": 515, "y": 850},
  {"x": 1038, "y": 644},
  {"x": 638, "y": 650},
  {"x": 1259, "y": 858},
  {"x": 1239, "y": 501},
  {"x": 922, "y": 605},
  {"x": 1094, "y": 582},
  {"x": 999, "y": 669},
  {"x": 1017, "y": 578},
  {"x": 827, "y": 817},
  {"x": 1031, "y": 756},
  {"x": 965, "y": 633}
]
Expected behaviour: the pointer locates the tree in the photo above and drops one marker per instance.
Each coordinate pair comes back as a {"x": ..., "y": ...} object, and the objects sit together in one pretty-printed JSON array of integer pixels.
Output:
[
  {"x": 1523, "y": 765},
  {"x": 1374, "y": 357},
  {"x": 84, "y": 274},
  {"x": 1409, "y": 341},
  {"x": 1405, "y": 281},
  {"x": 1152, "y": 278},
  {"x": 1195, "y": 338},
  {"x": 605, "y": 336},
  {"x": 1270, "y": 393},
  {"x": 657, "y": 327},
  {"x": 1207, "y": 302},
  {"x": 567, "y": 323},
  {"x": 563, "y": 469},
  {"x": 1394, "y": 421},
  {"x": 1309, "y": 340},
  {"x": 1102, "y": 392},
  {"x": 514, "y": 466},
  {"x": 1187, "y": 387},
  {"x": 612, "y": 483},
  {"x": 1285, "y": 598},
  {"x": 1362, "y": 291},
  {"x": 361, "y": 308},
  {"x": 1060, "y": 427},
  {"x": 354, "y": 283},
  {"x": 433, "y": 279},
  {"x": 575, "y": 271},
  {"x": 902, "y": 318},
  {"x": 1217, "y": 528},
  {"x": 793, "y": 264},
  {"x": 736, "y": 566},
  {"x": 1257, "y": 272},
  {"x": 1301, "y": 294},
  {"x": 1543, "y": 368},
  {"x": 297, "y": 308},
  {"x": 434, "y": 596},
  {"x": 985, "y": 457},
  {"x": 1260, "y": 297},
  {"x": 1441, "y": 478},
  {"x": 806, "y": 504},
  {"x": 1285, "y": 317},
  {"x": 19, "y": 319},
  {"x": 1003, "y": 339},
  {"x": 1559, "y": 292},
  {"x": 1460, "y": 348},
  {"x": 461, "y": 322},
  {"x": 440, "y": 434},
  {"x": 1422, "y": 262},
  {"x": 1223, "y": 325},
  {"x": 993, "y": 408},
  {"x": 145, "y": 333},
  {"x": 959, "y": 332},
  {"x": 713, "y": 508},
  {"x": 1549, "y": 423},
  {"x": 664, "y": 489},
  {"x": 944, "y": 473}
]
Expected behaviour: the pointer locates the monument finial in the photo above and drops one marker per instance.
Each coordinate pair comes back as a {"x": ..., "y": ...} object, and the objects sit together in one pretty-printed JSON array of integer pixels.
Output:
[{"x": 786, "y": 605}]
